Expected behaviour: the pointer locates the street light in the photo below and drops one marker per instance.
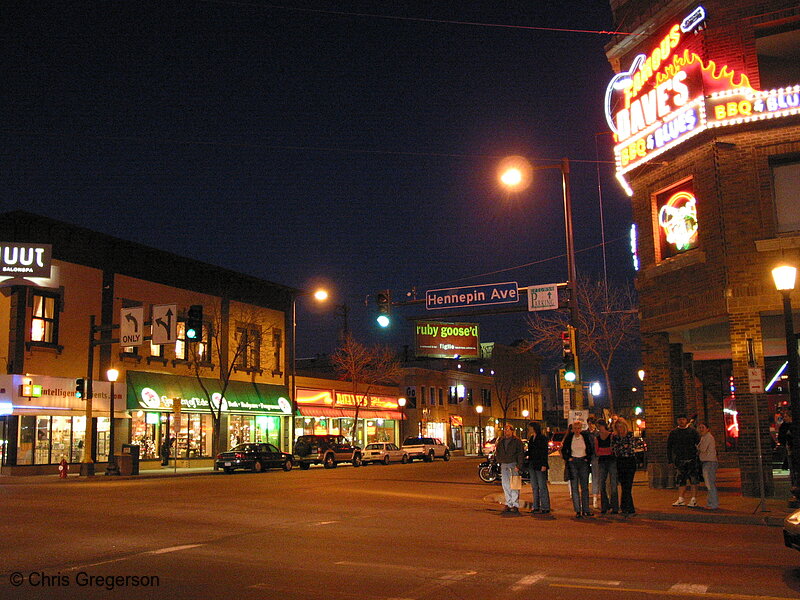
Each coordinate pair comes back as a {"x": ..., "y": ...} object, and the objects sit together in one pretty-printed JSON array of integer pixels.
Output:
[
  {"x": 401, "y": 402},
  {"x": 785, "y": 277},
  {"x": 479, "y": 410},
  {"x": 112, "y": 468},
  {"x": 515, "y": 174}
]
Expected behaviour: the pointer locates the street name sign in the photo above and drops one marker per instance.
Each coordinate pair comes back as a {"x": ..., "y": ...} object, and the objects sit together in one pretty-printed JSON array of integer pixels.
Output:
[
  {"x": 542, "y": 297},
  {"x": 165, "y": 324},
  {"x": 478, "y": 295},
  {"x": 131, "y": 326}
]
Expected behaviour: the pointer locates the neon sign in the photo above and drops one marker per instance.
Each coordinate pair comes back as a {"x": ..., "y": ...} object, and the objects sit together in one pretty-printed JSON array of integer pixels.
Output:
[
  {"x": 668, "y": 96},
  {"x": 677, "y": 219}
]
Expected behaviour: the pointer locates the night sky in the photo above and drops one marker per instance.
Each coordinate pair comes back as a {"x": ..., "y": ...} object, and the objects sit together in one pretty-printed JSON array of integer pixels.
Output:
[{"x": 351, "y": 144}]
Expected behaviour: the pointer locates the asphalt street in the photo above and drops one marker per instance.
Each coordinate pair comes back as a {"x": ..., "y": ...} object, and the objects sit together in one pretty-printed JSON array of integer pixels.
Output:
[{"x": 415, "y": 532}]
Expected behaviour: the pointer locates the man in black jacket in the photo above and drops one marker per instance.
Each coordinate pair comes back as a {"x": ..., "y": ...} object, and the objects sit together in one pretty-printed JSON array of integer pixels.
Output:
[
  {"x": 682, "y": 452},
  {"x": 510, "y": 455}
]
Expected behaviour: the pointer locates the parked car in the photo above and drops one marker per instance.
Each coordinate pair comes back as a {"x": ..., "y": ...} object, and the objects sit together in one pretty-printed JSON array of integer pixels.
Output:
[
  {"x": 555, "y": 441},
  {"x": 791, "y": 530},
  {"x": 256, "y": 457},
  {"x": 384, "y": 452},
  {"x": 327, "y": 450},
  {"x": 426, "y": 448}
]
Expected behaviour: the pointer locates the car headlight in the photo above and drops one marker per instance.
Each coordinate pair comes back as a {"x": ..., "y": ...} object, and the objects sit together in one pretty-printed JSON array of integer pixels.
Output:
[{"x": 794, "y": 518}]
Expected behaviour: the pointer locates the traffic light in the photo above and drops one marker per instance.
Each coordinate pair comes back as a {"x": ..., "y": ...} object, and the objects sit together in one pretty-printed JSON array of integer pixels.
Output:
[
  {"x": 194, "y": 323},
  {"x": 80, "y": 388},
  {"x": 569, "y": 356},
  {"x": 384, "y": 301}
]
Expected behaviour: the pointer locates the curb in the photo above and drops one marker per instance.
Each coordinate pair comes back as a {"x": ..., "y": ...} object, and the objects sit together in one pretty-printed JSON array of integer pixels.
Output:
[
  {"x": 55, "y": 480},
  {"x": 686, "y": 516}
]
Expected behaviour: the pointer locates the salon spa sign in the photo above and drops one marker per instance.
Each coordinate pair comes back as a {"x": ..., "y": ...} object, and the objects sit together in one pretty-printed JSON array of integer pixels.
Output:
[
  {"x": 670, "y": 94},
  {"x": 25, "y": 260}
]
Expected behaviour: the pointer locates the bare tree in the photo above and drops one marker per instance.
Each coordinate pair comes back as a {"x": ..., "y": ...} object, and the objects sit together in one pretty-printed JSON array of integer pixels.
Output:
[
  {"x": 607, "y": 324},
  {"x": 232, "y": 341},
  {"x": 365, "y": 367},
  {"x": 516, "y": 372}
]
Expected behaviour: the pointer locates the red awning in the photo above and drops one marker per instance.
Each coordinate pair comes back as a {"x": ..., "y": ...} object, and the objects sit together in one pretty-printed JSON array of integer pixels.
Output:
[{"x": 364, "y": 413}]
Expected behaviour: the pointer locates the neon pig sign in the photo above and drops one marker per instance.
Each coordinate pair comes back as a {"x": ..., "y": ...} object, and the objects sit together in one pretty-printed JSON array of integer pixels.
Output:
[
  {"x": 678, "y": 219},
  {"x": 669, "y": 95}
]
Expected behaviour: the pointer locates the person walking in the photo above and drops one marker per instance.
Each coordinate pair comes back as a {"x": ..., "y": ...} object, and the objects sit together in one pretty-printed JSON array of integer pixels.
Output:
[
  {"x": 707, "y": 452},
  {"x": 622, "y": 447},
  {"x": 606, "y": 470},
  {"x": 510, "y": 455},
  {"x": 537, "y": 468},
  {"x": 682, "y": 452},
  {"x": 577, "y": 450}
]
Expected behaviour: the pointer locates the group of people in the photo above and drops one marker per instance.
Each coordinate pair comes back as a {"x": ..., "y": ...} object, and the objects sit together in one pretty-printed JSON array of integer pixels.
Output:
[{"x": 607, "y": 452}]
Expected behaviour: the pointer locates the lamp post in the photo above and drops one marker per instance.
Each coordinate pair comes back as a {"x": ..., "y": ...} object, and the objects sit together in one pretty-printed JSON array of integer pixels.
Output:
[
  {"x": 479, "y": 410},
  {"x": 401, "y": 402},
  {"x": 785, "y": 277},
  {"x": 112, "y": 468},
  {"x": 515, "y": 174}
]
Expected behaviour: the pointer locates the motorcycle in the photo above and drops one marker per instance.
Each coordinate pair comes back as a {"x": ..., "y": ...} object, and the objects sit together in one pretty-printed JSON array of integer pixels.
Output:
[{"x": 489, "y": 471}]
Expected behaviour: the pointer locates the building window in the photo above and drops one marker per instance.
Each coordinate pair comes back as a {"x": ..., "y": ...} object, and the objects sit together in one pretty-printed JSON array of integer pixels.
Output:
[
  {"x": 786, "y": 183},
  {"x": 452, "y": 396},
  {"x": 441, "y": 397},
  {"x": 248, "y": 340},
  {"x": 469, "y": 396},
  {"x": 156, "y": 350},
  {"x": 44, "y": 321},
  {"x": 277, "y": 345},
  {"x": 778, "y": 51},
  {"x": 486, "y": 397},
  {"x": 180, "y": 342}
]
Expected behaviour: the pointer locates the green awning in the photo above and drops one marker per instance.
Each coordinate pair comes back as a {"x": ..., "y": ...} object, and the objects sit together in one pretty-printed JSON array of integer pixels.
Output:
[{"x": 155, "y": 392}]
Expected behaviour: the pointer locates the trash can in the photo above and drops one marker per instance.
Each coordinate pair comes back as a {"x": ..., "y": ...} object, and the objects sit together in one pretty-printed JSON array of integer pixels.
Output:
[{"x": 130, "y": 455}]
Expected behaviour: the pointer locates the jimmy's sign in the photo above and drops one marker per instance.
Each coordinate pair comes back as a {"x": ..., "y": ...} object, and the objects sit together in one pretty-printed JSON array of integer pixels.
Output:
[
  {"x": 25, "y": 260},
  {"x": 435, "y": 339},
  {"x": 670, "y": 94}
]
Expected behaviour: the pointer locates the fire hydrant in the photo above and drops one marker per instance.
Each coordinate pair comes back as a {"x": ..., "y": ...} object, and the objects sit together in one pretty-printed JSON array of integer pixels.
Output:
[{"x": 63, "y": 468}]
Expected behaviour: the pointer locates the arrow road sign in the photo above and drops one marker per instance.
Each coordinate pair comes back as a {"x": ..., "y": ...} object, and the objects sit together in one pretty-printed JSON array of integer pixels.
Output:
[
  {"x": 165, "y": 329},
  {"x": 542, "y": 297},
  {"x": 131, "y": 324}
]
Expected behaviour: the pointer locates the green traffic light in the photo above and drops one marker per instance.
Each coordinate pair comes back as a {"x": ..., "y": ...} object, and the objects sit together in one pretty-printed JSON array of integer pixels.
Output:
[
  {"x": 383, "y": 321},
  {"x": 191, "y": 334},
  {"x": 569, "y": 375}
]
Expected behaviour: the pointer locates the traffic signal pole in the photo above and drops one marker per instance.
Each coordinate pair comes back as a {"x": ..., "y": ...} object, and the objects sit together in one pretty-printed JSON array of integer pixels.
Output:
[{"x": 87, "y": 463}]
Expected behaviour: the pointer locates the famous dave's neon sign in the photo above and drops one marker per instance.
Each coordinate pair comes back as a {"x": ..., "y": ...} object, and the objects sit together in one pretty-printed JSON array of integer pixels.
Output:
[{"x": 670, "y": 95}]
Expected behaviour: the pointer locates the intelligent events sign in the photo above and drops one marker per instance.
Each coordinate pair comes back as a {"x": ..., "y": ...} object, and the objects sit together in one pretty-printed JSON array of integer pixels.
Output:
[
  {"x": 434, "y": 339},
  {"x": 478, "y": 295}
]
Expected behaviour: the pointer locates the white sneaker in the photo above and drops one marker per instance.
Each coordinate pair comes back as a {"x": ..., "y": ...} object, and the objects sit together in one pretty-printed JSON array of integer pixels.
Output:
[
  {"x": 679, "y": 502},
  {"x": 692, "y": 502}
]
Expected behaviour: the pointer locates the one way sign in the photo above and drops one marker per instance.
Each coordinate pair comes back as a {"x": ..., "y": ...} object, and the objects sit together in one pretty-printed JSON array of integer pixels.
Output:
[
  {"x": 165, "y": 330},
  {"x": 543, "y": 297}
]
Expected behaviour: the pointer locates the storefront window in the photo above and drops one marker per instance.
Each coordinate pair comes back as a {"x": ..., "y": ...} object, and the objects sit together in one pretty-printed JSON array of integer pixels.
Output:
[
  {"x": 268, "y": 429},
  {"x": 78, "y": 437},
  {"x": 380, "y": 430},
  {"x": 240, "y": 429},
  {"x": 103, "y": 439},
  {"x": 42, "y": 451},
  {"x": 25, "y": 442},
  {"x": 145, "y": 432},
  {"x": 62, "y": 431},
  {"x": 435, "y": 430}
]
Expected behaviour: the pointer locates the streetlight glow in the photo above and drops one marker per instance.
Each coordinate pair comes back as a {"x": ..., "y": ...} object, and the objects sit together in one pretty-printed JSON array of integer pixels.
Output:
[
  {"x": 321, "y": 295},
  {"x": 784, "y": 276},
  {"x": 514, "y": 173}
]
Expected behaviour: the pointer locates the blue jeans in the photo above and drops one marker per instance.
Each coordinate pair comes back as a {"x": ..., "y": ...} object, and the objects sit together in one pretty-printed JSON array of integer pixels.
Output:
[
  {"x": 512, "y": 496},
  {"x": 607, "y": 480},
  {"x": 579, "y": 482},
  {"x": 541, "y": 495},
  {"x": 710, "y": 477}
]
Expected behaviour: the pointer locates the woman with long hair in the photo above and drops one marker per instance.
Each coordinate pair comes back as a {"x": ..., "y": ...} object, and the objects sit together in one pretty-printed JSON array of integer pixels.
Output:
[
  {"x": 577, "y": 450},
  {"x": 537, "y": 467},
  {"x": 622, "y": 445}
]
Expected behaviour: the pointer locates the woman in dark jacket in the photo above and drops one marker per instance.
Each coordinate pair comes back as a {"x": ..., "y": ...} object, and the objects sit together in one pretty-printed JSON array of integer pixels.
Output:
[
  {"x": 622, "y": 445},
  {"x": 537, "y": 467},
  {"x": 577, "y": 450}
]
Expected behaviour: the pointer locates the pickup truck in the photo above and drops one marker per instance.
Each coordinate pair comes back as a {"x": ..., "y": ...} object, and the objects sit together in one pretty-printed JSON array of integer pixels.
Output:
[{"x": 426, "y": 448}]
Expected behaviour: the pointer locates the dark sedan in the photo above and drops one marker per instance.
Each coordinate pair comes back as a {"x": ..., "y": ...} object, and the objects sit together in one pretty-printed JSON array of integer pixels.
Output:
[{"x": 254, "y": 457}]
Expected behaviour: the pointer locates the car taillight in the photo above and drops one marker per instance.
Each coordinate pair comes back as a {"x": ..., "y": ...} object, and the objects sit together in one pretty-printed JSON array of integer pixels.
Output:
[
  {"x": 219, "y": 456},
  {"x": 239, "y": 455}
]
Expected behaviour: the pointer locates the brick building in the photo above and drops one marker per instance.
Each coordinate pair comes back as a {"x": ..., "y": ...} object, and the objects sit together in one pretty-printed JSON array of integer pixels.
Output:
[{"x": 705, "y": 108}]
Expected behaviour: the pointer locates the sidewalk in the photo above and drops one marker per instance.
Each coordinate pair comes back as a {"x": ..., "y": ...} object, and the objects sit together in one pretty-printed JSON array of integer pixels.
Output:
[{"x": 657, "y": 504}]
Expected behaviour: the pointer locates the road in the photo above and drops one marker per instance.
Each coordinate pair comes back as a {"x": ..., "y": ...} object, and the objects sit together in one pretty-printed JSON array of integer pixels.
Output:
[{"x": 417, "y": 532}]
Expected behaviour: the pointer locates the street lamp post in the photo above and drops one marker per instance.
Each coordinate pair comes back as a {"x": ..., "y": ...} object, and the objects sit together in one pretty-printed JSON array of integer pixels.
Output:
[
  {"x": 515, "y": 174},
  {"x": 785, "y": 277},
  {"x": 401, "y": 402},
  {"x": 479, "y": 410},
  {"x": 112, "y": 468}
]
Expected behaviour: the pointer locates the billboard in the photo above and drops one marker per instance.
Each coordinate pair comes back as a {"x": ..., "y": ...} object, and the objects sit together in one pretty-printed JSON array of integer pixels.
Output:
[{"x": 437, "y": 339}]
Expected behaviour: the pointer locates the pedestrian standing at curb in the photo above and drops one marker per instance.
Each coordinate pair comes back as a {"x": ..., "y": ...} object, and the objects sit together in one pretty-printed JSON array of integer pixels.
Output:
[
  {"x": 595, "y": 470},
  {"x": 537, "y": 468},
  {"x": 623, "y": 448},
  {"x": 682, "y": 452},
  {"x": 606, "y": 470},
  {"x": 707, "y": 452},
  {"x": 577, "y": 450},
  {"x": 510, "y": 455}
]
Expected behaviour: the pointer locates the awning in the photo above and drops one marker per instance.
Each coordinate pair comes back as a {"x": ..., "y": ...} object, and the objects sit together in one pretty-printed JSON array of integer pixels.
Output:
[
  {"x": 156, "y": 391},
  {"x": 349, "y": 413}
]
